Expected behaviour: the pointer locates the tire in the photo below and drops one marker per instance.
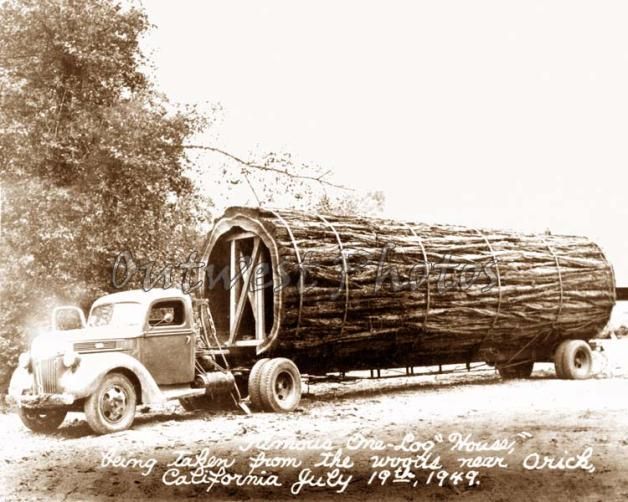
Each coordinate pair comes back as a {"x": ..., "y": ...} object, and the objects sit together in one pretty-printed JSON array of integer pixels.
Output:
[
  {"x": 42, "y": 420},
  {"x": 516, "y": 370},
  {"x": 558, "y": 359},
  {"x": 254, "y": 384},
  {"x": 111, "y": 408},
  {"x": 576, "y": 360},
  {"x": 280, "y": 385}
]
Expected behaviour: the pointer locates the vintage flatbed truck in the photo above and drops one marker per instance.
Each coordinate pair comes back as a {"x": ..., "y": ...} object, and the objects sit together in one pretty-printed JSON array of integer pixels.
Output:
[{"x": 285, "y": 292}]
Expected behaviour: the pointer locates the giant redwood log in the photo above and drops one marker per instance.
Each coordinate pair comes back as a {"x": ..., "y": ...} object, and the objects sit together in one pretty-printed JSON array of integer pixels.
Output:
[{"x": 347, "y": 292}]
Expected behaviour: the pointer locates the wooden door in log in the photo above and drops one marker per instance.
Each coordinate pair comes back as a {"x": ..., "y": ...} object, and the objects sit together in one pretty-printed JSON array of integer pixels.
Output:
[{"x": 247, "y": 288}]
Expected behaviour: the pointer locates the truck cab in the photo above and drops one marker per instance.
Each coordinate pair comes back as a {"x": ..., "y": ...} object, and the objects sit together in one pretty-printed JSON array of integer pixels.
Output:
[{"x": 136, "y": 347}]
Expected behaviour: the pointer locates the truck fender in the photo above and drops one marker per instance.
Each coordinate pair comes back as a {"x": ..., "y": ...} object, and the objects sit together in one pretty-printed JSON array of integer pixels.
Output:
[
  {"x": 21, "y": 380},
  {"x": 84, "y": 380}
]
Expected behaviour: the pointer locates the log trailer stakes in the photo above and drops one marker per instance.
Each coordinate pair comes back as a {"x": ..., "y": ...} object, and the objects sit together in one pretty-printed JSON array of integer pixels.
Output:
[{"x": 319, "y": 294}]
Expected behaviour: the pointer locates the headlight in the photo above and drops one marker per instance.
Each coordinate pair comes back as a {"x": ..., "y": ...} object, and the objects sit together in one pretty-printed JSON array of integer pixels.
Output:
[
  {"x": 71, "y": 359},
  {"x": 24, "y": 361}
]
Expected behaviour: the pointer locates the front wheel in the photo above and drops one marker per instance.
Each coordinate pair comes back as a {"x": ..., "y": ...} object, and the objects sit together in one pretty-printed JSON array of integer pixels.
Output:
[
  {"x": 41, "y": 420},
  {"x": 111, "y": 408}
]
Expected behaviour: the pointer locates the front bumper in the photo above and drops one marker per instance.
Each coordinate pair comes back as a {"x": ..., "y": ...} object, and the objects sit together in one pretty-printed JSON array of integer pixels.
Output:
[{"x": 41, "y": 400}]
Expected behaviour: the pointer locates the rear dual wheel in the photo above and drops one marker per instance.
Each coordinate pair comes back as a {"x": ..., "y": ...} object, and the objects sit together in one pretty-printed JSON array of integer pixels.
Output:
[
  {"x": 275, "y": 385},
  {"x": 254, "y": 384}
]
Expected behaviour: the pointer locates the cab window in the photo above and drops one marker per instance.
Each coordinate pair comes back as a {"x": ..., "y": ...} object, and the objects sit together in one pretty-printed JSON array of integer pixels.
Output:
[
  {"x": 117, "y": 314},
  {"x": 167, "y": 313}
]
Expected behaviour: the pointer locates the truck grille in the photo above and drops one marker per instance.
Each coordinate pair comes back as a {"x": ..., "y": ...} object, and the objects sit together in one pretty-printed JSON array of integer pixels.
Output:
[{"x": 46, "y": 376}]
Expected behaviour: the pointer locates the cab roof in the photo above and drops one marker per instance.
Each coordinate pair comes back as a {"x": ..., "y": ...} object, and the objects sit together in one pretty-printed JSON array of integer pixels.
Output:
[{"x": 141, "y": 296}]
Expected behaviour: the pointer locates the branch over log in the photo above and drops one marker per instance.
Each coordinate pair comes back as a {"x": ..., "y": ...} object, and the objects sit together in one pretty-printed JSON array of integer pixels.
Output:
[{"x": 252, "y": 165}]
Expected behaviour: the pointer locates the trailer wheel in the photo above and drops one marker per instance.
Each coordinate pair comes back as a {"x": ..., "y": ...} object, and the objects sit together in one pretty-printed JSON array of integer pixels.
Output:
[
  {"x": 41, "y": 420},
  {"x": 254, "y": 384},
  {"x": 521, "y": 369},
  {"x": 111, "y": 408},
  {"x": 574, "y": 360},
  {"x": 280, "y": 385},
  {"x": 558, "y": 359}
]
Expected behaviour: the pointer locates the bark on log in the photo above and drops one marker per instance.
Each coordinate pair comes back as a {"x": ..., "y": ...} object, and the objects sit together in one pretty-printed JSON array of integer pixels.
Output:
[{"x": 348, "y": 285}]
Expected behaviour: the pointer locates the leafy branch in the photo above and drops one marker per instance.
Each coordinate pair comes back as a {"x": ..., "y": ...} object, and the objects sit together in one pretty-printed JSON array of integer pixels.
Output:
[{"x": 318, "y": 179}]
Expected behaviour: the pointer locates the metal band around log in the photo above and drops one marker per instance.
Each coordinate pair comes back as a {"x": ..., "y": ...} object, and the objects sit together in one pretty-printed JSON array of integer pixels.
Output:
[
  {"x": 298, "y": 255},
  {"x": 560, "y": 280},
  {"x": 427, "y": 276},
  {"x": 499, "y": 279},
  {"x": 611, "y": 273},
  {"x": 345, "y": 270}
]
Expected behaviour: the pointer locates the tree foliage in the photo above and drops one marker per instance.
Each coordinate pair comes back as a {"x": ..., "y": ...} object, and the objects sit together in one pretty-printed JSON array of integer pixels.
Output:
[
  {"x": 93, "y": 163},
  {"x": 90, "y": 158}
]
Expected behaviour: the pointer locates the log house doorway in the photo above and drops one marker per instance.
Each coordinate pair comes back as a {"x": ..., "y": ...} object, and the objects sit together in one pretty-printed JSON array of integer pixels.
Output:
[{"x": 241, "y": 293}]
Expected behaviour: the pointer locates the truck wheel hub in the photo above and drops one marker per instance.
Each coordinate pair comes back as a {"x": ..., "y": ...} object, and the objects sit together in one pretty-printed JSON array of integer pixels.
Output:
[
  {"x": 114, "y": 403},
  {"x": 283, "y": 386},
  {"x": 579, "y": 359}
]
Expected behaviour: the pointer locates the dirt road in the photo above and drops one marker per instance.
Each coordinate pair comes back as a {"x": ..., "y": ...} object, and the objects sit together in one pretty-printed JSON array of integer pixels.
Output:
[{"x": 521, "y": 422}]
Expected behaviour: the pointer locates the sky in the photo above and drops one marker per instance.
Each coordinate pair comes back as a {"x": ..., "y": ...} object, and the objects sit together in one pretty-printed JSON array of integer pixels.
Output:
[{"x": 488, "y": 114}]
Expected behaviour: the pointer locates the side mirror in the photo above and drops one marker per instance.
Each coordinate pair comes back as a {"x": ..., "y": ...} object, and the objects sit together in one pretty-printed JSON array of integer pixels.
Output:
[{"x": 67, "y": 317}]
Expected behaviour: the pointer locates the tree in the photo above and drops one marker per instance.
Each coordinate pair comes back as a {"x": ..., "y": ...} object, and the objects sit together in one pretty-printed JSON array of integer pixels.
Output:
[{"x": 91, "y": 162}]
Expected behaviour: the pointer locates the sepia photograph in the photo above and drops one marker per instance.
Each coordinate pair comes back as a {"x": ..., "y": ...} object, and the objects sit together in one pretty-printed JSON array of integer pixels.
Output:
[{"x": 281, "y": 250}]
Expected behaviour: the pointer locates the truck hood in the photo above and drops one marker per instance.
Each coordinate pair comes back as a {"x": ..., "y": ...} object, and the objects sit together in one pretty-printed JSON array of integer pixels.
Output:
[{"x": 54, "y": 343}]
